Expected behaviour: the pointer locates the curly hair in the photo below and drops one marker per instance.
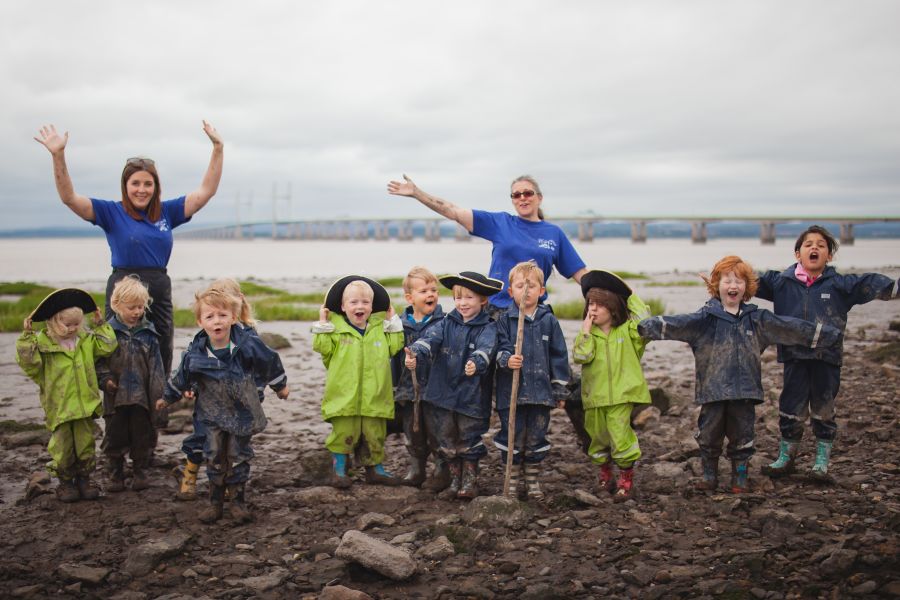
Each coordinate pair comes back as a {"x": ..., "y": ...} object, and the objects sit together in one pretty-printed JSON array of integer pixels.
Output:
[{"x": 736, "y": 265}]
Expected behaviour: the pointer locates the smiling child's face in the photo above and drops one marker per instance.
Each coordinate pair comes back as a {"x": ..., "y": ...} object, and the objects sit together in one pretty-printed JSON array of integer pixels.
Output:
[
  {"x": 422, "y": 296},
  {"x": 731, "y": 291},
  {"x": 813, "y": 254},
  {"x": 357, "y": 305}
]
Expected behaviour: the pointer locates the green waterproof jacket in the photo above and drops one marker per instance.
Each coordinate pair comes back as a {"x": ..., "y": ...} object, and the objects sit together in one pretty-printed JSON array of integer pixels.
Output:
[
  {"x": 358, "y": 378},
  {"x": 67, "y": 378},
  {"x": 612, "y": 371}
]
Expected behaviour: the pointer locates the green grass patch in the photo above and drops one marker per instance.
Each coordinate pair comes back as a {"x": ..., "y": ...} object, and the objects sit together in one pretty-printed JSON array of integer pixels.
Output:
[
  {"x": 630, "y": 275},
  {"x": 391, "y": 282},
  {"x": 16, "y": 426},
  {"x": 684, "y": 283},
  {"x": 886, "y": 353},
  {"x": 14, "y": 312},
  {"x": 575, "y": 308}
]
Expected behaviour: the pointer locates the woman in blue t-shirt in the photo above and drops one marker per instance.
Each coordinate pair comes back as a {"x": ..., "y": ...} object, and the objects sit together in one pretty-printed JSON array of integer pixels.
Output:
[
  {"x": 525, "y": 236},
  {"x": 139, "y": 228}
]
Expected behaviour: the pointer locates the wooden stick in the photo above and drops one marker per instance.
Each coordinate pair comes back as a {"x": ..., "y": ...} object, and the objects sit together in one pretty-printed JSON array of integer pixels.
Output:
[
  {"x": 511, "y": 425},
  {"x": 415, "y": 382}
]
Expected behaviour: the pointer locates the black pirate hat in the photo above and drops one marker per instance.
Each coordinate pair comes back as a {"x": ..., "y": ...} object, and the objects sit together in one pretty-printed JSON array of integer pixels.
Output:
[
  {"x": 605, "y": 280},
  {"x": 478, "y": 283},
  {"x": 380, "y": 303},
  {"x": 60, "y": 300}
]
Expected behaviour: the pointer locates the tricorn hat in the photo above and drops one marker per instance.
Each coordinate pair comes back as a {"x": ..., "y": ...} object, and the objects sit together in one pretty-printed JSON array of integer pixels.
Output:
[
  {"x": 335, "y": 294},
  {"x": 605, "y": 280},
  {"x": 60, "y": 300},
  {"x": 478, "y": 283}
]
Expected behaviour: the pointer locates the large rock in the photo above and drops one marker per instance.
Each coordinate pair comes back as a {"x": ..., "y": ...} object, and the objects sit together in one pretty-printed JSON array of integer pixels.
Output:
[
  {"x": 33, "y": 437},
  {"x": 91, "y": 575},
  {"x": 437, "y": 550},
  {"x": 646, "y": 418},
  {"x": 372, "y": 553},
  {"x": 667, "y": 470},
  {"x": 373, "y": 520},
  {"x": 142, "y": 559},
  {"x": 339, "y": 592},
  {"x": 497, "y": 511}
]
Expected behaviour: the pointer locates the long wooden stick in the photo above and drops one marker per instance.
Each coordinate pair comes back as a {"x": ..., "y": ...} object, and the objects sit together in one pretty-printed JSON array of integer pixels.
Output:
[
  {"x": 511, "y": 425},
  {"x": 415, "y": 382}
]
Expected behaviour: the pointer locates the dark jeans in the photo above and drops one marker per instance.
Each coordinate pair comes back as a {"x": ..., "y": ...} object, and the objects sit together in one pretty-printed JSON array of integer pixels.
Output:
[
  {"x": 227, "y": 457},
  {"x": 192, "y": 446},
  {"x": 532, "y": 424},
  {"x": 810, "y": 387},
  {"x": 455, "y": 435},
  {"x": 129, "y": 430},
  {"x": 416, "y": 441},
  {"x": 733, "y": 419},
  {"x": 160, "y": 314}
]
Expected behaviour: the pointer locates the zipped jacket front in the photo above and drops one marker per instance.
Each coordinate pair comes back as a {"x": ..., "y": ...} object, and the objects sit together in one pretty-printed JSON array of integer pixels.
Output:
[
  {"x": 412, "y": 331},
  {"x": 135, "y": 367}
]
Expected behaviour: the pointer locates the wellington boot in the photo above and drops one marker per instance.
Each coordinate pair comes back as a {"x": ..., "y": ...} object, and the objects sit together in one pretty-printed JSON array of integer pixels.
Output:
[
  {"x": 455, "y": 467},
  {"x": 116, "y": 475},
  {"x": 187, "y": 486},
  {"x": 819, "y": 469},
  {"x": 710, "y": 479},
  {"x": 238, "y": 508},
  {"x": 625, "y": 486},
  {"x": 784, "y": 464},
  {"x": 607, "y": 478},
  {"x": 469, "y": 487},
  {"x": 139, "y": 480},
  {"x": 67, "y": 492},
  {"x": 213, "y": 512},
  {"x": 86, "y": 489},
  {"x": 415, "y": 476},
  {"x": 376, "y": 474},
  {"x": 514, "y": 479},
  {"x": 532, "y": 483},
  {"x": 339, "y": 477},
  {"x": 440, "y": 477},
  {"x": 740, "y": 477}
]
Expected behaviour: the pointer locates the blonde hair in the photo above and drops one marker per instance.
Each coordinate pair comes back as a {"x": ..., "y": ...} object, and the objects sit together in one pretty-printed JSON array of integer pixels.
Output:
[
  {"x": 55, "y": 328},
  {"x": 457, "y": 292},
  {"x": 127, "y": 290},
  {"x": 362, "y": 286},
  {"x": 233, "y": 288},
  {"x": 526, "y": 269},
  {"x": 736, "y": 265},
  {"x": 417, "y": 273},
  {"x": 216, "y": 299}
]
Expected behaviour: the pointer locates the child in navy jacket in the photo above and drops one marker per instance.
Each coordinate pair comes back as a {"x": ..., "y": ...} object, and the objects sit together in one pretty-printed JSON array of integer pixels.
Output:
[
  {"x": 420, "y": 289},
  {"x": 810, "y": 289},
  {"x": 727, "y": 337},
  {"x": 458, "y": 396},
  {"x": 543, "y": 366}
]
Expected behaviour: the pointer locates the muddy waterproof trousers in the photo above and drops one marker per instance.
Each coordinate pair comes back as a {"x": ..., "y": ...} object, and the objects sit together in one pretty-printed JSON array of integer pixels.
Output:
[
  {"x": 72, "y": 450},
  {"x": 810, "y": 388},
  {"x": 532, "y": 425},
  {"x": 612, "y": 435},
  {"x": 363, "y": 436},
  {"x": 733, "y": 419}
]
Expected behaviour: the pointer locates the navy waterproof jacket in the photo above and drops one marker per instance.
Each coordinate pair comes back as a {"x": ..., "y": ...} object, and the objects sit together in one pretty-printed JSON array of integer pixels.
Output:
[
  {"x": 226, "y": 394},
  {"x": 450, "y": 346},
  {"x": 412, "y": 331},
  {"x": 827, "y": 300},
  {"x": 727, "y": 347},
  {"x": 545, "y": 365},
  {"x": 135, "y": 367}
]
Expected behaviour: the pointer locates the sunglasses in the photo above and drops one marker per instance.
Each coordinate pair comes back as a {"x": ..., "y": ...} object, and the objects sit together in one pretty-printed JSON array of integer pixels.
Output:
[
  {"x": 525, "y": 193},
  {"x": 138, "y": 161}
]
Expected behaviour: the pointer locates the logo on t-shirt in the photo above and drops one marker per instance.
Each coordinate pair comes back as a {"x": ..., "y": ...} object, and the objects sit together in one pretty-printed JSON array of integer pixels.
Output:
[
  {"x": 162, "y": 225},
  {"x": 547, "y": 244}
]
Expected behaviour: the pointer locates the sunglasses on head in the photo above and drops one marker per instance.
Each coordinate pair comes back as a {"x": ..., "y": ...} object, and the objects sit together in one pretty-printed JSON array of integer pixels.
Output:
[
  {"x": 526, "y": 193},
  {"x": 139, "y": 161}
]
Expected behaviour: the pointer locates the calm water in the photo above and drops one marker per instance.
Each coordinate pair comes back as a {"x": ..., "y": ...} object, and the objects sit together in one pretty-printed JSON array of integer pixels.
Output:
[{"x": 61, "y": 260}]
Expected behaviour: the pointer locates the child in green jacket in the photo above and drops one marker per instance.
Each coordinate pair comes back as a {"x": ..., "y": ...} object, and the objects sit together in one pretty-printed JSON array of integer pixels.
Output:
[
  {"x": 612, "y": 380},
  {"x": 60, "y": 359},
  {"x": 356, "y": 342}
]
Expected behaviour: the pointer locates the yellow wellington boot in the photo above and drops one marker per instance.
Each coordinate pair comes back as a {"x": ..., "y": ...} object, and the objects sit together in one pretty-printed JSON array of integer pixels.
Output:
[{"x": 187, "y": 489}]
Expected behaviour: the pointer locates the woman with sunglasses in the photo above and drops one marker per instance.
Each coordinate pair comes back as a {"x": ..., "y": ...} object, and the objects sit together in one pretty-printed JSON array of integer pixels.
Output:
[
  {"x": 139, "y": 228},
  {"x": 525, "y": 236}
]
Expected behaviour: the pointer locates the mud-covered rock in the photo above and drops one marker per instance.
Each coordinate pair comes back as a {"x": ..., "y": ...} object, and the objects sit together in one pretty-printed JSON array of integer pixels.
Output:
[
  {"x": 497, "y": 511},
  {"x": 143, "y": 558},
  {"x": 375, "y": 554}
]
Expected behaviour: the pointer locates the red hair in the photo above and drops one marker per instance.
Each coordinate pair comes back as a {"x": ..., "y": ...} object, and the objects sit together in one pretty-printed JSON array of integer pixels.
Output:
[{"x": 736, "y": 265}]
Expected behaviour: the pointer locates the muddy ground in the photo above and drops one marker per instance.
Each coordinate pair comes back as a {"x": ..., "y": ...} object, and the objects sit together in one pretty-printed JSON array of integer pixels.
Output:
[{"x": 790, "y": 538}]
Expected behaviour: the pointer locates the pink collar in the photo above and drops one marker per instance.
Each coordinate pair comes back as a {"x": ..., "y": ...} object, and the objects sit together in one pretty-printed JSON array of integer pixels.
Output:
[{"x": 801, "y": 275}]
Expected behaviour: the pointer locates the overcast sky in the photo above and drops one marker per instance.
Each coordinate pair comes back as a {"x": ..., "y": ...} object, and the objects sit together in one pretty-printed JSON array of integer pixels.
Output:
[{"x": 621, "y": 108}]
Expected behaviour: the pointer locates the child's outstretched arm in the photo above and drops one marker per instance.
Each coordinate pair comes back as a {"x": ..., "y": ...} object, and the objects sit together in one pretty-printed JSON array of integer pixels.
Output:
[
  {"x": 864, "y": 288},
  {"x": 682, "y": 328},
  {"x": 777, "y": 329},
  {"x": 766, "y": 288}
]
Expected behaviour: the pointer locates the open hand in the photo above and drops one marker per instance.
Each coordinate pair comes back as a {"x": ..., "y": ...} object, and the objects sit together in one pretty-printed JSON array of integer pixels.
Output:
[
  {"x": 515, "y": 361},
  {"x": 51, "y": 140},
  {"x": 470, "y": 368},
  {"x": 410, "y": 360},
  {"x": 407, "y": 188},
  {"x": 211, "y": 132}
]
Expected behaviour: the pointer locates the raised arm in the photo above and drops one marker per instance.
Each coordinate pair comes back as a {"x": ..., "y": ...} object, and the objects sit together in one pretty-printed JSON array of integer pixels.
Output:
[
  {"x": 463, "y": 216},
  {"x": 56, "y": 145},
  {"x": 199, "y": 197}
]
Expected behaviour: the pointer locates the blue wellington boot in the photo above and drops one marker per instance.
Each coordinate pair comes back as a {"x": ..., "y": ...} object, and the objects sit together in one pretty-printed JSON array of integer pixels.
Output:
[
  {"x": 784, "y": 464},
  {"x": 823, "y": 455},
  {"x": 377, "y": 474},
  {"x": 339, "y": 477}
]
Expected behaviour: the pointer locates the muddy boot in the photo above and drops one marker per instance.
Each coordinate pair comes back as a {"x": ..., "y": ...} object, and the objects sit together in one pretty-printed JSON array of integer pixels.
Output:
[
  {"x": 455, "y": 467},
  {"x": 187, "y": 485},
  {"x": 624, "y": 489},
  {"x": 377, "y": 474},
  {"x": 213, "y": 512},
  {"x": 339, "y": 477},
  {"x": 607, "y": 478},
  {"x": 784, "y": 464},
  {"x": 440, "y": 477},
  {"x": 740, "y": 483},
  {"x": 514, "y": 481},
  {"x": 139, "y": 479},
  {"x": 238, "y": 508},
  {"x": 710, "y": 479},
  {"x": 469, "y": 486},
  {"x": 116, "y": 474},
  {"x": 415, "y": 476},
  {"x": 823, "y": 455},
  {"x": 532, "y": 485},
  {"x": 66, "y": 491},
  {"x": 86, "y": 489}
]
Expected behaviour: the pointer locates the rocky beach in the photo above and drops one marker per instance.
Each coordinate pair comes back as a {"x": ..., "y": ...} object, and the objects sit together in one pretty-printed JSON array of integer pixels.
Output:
[{"x": 788, "y": 538}]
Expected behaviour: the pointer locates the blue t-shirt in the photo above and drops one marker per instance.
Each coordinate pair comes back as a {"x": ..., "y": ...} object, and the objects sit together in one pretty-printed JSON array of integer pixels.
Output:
[
  {"x": 138, "y": 244},
  {"x": 516, "y": 240}
]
